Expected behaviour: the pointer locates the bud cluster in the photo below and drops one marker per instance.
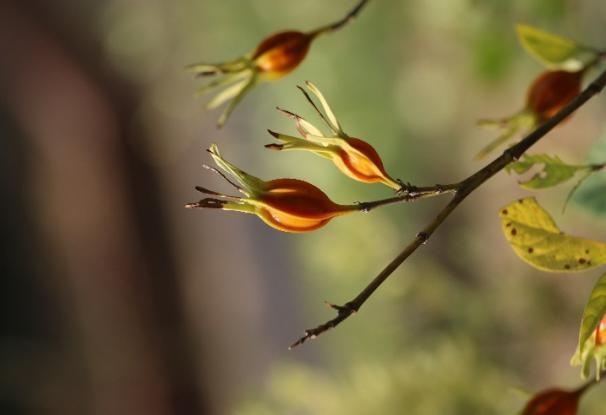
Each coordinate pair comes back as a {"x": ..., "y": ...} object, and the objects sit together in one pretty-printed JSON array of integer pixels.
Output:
[{"x": 293, "y": 205}]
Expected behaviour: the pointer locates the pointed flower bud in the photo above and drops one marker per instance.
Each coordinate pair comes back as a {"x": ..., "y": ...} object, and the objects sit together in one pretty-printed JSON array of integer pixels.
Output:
[
  {"x": 354, "y": 157},
  {"x": 274, "y": 57},
  {"x": 547, "y": 95},
  {"x": 551, "y": 92},
  {"x": 289, "y": 205},
  {"x": 554, "y": 402},
  {"x": 281, "y": 53}
]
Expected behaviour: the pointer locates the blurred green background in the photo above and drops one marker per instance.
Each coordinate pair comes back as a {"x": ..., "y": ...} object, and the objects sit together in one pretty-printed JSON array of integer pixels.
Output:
[{"x": 116, "y": 300}]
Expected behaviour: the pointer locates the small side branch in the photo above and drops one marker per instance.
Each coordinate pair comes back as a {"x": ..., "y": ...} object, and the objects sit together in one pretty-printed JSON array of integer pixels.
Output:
[
  {"x": 410, "y": 193},
  {"x": 333, "y": 27},
  {"x": 461, "y": 191}
]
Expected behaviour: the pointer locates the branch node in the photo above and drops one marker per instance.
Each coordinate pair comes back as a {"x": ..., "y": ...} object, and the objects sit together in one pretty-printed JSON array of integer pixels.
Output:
[
  {"x": 407, "y": 190},
  {"x": 348, "y": 308},
  {"x": 423, "y": 237},
  {"x": 364, "y": 207},
  {"x": 343, "y": 312},
  {"x": 511, "y": 155}
]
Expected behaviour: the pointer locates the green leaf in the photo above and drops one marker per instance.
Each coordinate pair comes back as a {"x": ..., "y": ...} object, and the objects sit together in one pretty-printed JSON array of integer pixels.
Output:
[
  {"x": 589, "y": 348},
  {"x": 592, "y": 196},
  {"x": 536, "y": 239},
  {"x": 594, "y": 311},
  {"x": 553, "y": 51},
  {"x": 554, "y": 171}
]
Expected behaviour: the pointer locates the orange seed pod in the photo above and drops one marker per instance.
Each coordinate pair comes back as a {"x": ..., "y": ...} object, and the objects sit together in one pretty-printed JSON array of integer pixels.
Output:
[
  {"x": 274, "y": 57},
  {"x": 547, "y": 95},
  {"x": 281, "y": 53},
  {"x": 289, "y": 205},
  {"x": 554, "y": 402},
  {"x": 292, "y": 205},
  {"x": 552, "y": 91},
  {"x": 352, "y": 156}
]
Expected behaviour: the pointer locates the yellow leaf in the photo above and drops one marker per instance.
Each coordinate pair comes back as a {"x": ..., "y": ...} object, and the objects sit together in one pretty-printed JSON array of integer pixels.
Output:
[
  {"x": 555, "y": 52},
  {"x": 536, "y": 239}
]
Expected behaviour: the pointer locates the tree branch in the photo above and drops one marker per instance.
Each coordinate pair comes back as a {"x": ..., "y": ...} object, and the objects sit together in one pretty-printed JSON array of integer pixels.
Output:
[
  {"x": 342, "y": 22},
  {"x": 461, "y": 191}
]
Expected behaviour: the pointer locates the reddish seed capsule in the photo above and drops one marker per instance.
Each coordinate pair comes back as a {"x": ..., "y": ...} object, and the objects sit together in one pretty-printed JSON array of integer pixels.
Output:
[
  {"x": 354, "y": 157},
  {"x": 554, "y": 402},
  {"x": 552, "y": 91},
  {"x": 281, "y": 53},
  {"x": 547, "y": 95},
  {"x": 292, "y": 205},
  {"x": 364, "y": 164},
  {"x": 276, "y": 56},
  {"x": 289, "y": 205}
]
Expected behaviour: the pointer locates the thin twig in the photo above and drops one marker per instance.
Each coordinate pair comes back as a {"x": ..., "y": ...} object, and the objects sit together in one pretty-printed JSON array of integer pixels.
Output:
[
  {"x": 465, "y": 188},
  {"x": 583, "y": 388},
  {"x": 342, "y": 22},
  {"x": 409, "y": 193}
]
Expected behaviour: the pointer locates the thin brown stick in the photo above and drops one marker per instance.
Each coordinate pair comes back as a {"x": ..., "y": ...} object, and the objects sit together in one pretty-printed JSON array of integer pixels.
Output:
[
  {"x": 464, "y": 189},
  {"x": 583, "y": 388},
  {"x": 410, "y": 193},
  {"x": 343, "y": 21}
]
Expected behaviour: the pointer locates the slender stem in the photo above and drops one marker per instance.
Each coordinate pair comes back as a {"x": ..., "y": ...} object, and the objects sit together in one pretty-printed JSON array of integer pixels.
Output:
[
  {"x": 410, "y": 193},
  {"x": 464, "y": 189},
  {"x": 343, "y": 21},
  {"x": 583, "y": 388}
]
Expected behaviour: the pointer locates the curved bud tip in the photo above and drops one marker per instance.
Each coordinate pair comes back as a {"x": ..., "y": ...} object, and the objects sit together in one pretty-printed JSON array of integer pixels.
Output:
[
  {"x": 287, "y": 113},
  {"x": 207, "y": 191},
  {"x": 207, "y": 203},
  {"x": 273, "y": 133},
  {"x": 274, "y": 146},
  {"x": 200, "y": 69}
]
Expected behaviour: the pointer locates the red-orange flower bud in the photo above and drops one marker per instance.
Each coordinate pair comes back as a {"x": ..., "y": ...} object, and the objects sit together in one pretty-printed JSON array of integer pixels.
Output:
[
  {"x": 547, "y": 95},
  {"x": 352, "y": 156},
  {"x": 289, "y": 205},
  {"x": 292, "y": 205},
  {"x": 281, "y": 53},
  {"x": 276, "y": 56},
  {"x": 553, "y": 402},
  {"x": 552, "y": 91}
]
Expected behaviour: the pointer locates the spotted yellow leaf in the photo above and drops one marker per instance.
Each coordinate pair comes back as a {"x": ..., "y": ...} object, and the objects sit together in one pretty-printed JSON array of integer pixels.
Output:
[{"x": 536, "y": 238}]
